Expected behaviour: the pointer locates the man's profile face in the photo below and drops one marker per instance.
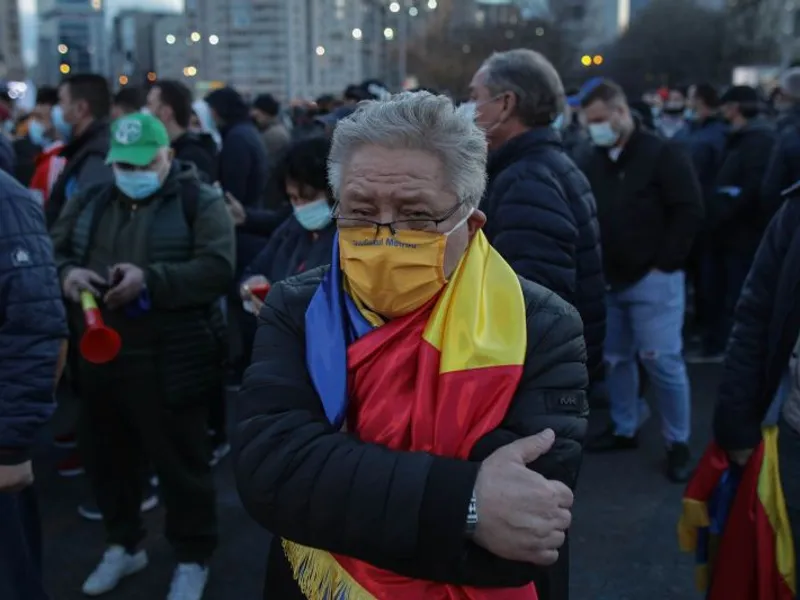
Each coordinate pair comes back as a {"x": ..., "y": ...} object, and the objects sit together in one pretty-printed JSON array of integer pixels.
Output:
[
  {"x": 155, "y": 106},
  {"x": 72, "y": 111}
]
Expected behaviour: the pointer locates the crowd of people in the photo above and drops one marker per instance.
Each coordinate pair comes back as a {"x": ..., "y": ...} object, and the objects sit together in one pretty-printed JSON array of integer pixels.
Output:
[{"x": 416, "y": 302}]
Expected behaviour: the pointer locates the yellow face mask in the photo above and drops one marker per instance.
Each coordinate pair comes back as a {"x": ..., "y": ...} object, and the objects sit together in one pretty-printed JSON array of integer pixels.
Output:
[{"x": 393, "y": 275}]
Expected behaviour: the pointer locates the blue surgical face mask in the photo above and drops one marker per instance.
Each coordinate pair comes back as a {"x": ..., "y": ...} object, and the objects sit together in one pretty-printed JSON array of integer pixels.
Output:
[
  {"x": 603, "y": 135},
  {"x": 63, "y": 128},
  {"x": 558, "y": 123},
  {"x": 36, "y": 133},
  {"x": 137, "y": 185},
  {"x": 315, "y": 215}
]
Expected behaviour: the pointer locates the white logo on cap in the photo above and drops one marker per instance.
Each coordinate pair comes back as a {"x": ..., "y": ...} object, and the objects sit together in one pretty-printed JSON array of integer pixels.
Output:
[{"x": 128, "y": 132}]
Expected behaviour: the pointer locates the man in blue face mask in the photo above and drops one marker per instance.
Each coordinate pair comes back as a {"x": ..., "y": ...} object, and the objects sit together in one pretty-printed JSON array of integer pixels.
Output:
[
  {"x": 140, "y": 155},
  {"x": 156, "y": 249}
]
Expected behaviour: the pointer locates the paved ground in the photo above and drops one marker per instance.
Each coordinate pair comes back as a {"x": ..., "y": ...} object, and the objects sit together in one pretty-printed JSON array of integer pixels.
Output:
[{"x": 624, "y": 544}]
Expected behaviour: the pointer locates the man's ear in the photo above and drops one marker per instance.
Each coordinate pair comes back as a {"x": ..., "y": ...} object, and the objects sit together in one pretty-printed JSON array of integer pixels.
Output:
[{"x": 475, "y": 222}]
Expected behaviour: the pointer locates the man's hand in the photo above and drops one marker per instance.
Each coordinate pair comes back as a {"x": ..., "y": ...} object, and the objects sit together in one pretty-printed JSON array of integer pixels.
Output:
[
  {"x": 252, "y": 303},
  {"x": 521, "y": 515},
  {"x": 15, "y": 478},
  {"x": 740, "y": 457},
  {"x": 129, "y": 284},
  {"x": 78, "y": 280},
  {"x": 235, "y": 209}
]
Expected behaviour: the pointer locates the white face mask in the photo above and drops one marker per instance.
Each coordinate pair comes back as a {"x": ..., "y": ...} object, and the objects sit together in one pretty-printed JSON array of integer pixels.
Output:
[{"x": 603, "y": 134}]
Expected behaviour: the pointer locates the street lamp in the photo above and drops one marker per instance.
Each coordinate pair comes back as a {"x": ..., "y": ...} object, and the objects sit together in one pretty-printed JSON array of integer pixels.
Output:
[
  {"x": 388, "y": 33},
  {"x": 586, "y": 60},
  {"x": 432, "y": 4},
  {"x": 213, "y": 40},
  {"x": 320, "y": 50},
  {"x": 63, "y": 49},
  {"x": 170, "y": 39},
  {"x": 394, "y": 7},
  {"x": 195, "y": 36},
  {"x": 64, "y": 68},
  {"x": 357, "y": 34}
]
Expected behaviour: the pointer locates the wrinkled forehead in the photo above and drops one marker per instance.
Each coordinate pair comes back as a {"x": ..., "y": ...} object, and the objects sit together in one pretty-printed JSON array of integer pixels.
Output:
[{"x": 387, "y": 180}]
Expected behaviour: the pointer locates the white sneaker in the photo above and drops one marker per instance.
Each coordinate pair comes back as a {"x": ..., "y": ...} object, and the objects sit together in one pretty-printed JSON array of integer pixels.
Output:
[
  {"x": 116, "y": 565},
  {"x": 188, "y": 582}
]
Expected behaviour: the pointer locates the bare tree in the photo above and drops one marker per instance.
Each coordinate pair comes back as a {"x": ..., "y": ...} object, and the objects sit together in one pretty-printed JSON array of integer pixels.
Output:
[
  {"x": 673, "y": 42},
  {"x": 447, "y": 59}
]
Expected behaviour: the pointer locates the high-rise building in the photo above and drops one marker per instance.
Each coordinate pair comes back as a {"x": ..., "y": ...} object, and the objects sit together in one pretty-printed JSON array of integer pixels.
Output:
[
  {"x": 172, "y": 47},
  {"x": 72, "y": 39},
  {"x": 135, "y": 44},
  {"x": 11, "y": 65},
  {"x": 286, "y": 47}
]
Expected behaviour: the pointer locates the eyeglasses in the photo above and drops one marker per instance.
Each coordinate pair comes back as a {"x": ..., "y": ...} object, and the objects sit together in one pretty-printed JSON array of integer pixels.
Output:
[{"x": 347, "y": 221}]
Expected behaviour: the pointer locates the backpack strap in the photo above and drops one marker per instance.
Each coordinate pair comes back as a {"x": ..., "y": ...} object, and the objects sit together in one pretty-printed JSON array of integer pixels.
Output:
[
  {"x": 190, "y": 197},
  {"x": 105, "y": 194}
]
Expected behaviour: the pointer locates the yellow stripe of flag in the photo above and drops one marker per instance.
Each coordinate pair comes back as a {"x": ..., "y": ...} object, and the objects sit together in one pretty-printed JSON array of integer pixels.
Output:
[
  {"x": 479, "y": 321},
  {"x": 770, "y": 493}
]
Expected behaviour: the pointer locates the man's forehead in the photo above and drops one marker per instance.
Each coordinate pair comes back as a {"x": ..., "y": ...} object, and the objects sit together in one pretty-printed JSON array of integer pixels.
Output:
[{"x": 479, "y": 79}]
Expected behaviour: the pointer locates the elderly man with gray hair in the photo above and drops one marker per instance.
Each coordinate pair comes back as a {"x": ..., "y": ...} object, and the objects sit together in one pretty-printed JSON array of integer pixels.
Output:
[
  {"x": 784, "y": 165},
  {"x": 540, "y": 211},
  {"x": 541, "y": 214},
  {"x": 412, "y": 421}
]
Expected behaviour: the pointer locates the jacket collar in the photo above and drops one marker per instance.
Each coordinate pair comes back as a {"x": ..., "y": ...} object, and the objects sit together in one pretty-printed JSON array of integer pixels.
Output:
[
  {"x": 95, "y": 137},
  {"x": 516, "y": 148}
]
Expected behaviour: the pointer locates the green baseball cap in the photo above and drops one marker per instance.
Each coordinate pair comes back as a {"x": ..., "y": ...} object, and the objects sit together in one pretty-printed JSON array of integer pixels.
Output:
[{"x": 136, "y": 139}]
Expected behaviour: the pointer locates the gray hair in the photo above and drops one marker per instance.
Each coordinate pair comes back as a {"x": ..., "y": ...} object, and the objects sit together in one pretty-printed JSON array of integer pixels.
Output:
[
  {"x": 416, "y": 121},
  {"x": 532, "y": 79}
]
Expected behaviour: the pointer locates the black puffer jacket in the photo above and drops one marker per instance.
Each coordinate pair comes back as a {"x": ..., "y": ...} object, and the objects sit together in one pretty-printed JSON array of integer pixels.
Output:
[
  {"x": 542, "y": 218},
  {"x": 765, "y": 329},
  {"x": 32, "y": 322},
  {"x": 303, "y": 480}
]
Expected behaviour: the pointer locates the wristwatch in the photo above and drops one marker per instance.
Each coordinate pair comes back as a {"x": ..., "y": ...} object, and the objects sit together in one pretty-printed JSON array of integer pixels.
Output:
[{"x": 472, "y": 517}]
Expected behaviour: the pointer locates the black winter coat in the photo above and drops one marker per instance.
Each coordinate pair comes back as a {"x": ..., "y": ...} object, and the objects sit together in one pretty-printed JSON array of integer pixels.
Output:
[
  {"x": 649, "y": 204},
  {"x": 784, "y": 164},
  {"x": 200, "y": 150},
  {"x": 541, "y": 217},
  {"x": 765, "y": 329},
  {"x": 301, "y": 479},
  {"x": 737, "y": 220}
]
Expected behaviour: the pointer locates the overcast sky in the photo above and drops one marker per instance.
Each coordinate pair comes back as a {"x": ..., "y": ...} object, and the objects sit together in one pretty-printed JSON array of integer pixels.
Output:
[{"x": 27, "y": 10}]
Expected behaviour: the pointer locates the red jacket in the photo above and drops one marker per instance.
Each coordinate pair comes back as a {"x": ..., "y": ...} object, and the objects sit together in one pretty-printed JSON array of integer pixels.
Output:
[{"x": 49, "y": 165}]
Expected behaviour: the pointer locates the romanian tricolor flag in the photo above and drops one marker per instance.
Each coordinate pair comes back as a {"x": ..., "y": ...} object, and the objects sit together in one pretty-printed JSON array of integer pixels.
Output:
[
  {"x": 735, "y": 521},
  {"x": 409, "y": 383}
]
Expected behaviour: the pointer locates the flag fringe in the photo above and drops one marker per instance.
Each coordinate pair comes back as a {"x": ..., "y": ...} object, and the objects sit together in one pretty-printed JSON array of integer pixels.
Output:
[{"x": 320, "y": 576}]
